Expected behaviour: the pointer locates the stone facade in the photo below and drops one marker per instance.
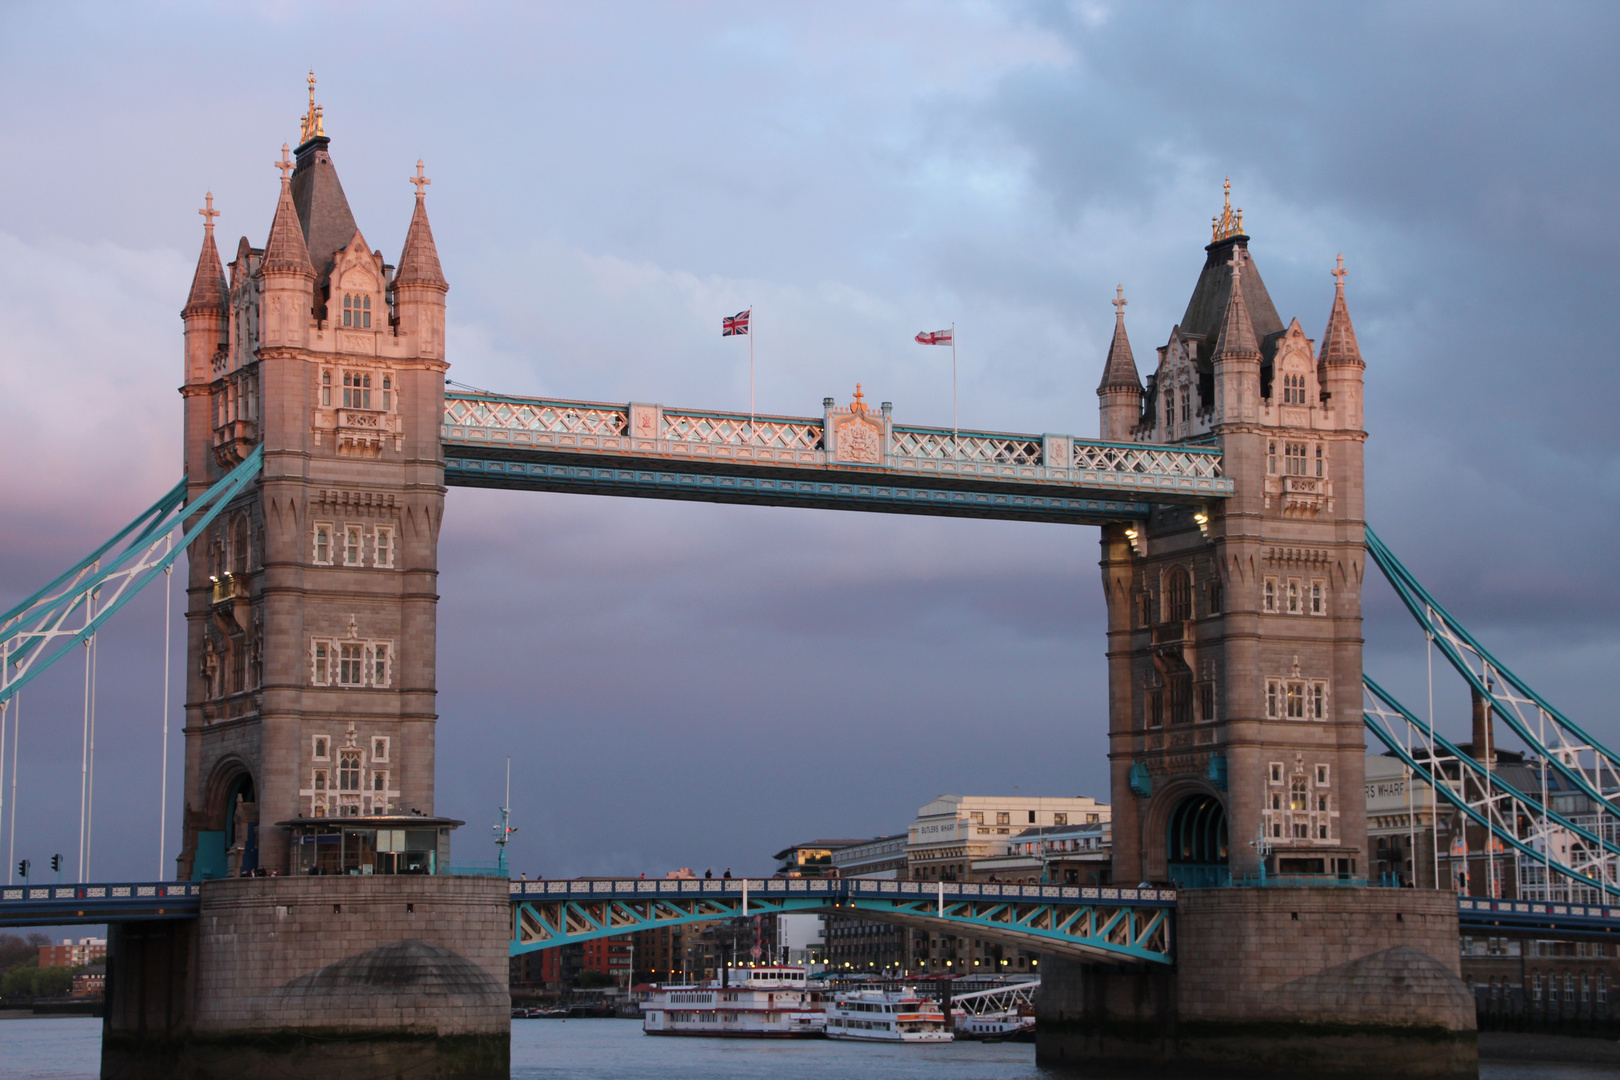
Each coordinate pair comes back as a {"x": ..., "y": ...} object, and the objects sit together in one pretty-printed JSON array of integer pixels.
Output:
[
  {"x": 310, "y": 674},
  {"x": 1234, "y": 629},
  {"x": 316, "y": 977},
  {"x": 1277, "y": 981}
]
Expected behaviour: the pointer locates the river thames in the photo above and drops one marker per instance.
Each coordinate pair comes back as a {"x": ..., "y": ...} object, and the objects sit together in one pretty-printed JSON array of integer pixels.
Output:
[{"x": 70, "y": 1049}]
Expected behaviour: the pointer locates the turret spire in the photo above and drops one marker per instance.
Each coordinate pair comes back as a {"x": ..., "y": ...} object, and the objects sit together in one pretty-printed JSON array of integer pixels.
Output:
[
  {"x": 208, "y": 288},
  {"x": 286, "y": 252},
  {"x": 311, "y": 126},
  {"x": 1339, "y": 341},
  {"x": 1237, "y": 333},
  {"x": 1120, "y": 370},
  {"x": 419, "y": 262}
]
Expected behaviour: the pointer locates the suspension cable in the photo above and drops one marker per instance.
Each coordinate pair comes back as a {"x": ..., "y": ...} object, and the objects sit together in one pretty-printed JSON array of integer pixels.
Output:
[
  {"x": 163, "y": 785},
  {"x": 11, "y": 842},
  {"x": 90, "y": 787}
]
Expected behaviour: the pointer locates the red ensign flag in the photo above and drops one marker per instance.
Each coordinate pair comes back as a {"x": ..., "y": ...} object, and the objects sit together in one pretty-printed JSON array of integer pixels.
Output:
[{"x": 936, "y": 337}]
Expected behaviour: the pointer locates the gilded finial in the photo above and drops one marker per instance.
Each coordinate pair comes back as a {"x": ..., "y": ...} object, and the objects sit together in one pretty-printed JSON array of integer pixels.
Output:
[
  {"x": 312, "y": 126},
  {"x": 1230, "y": 222}
]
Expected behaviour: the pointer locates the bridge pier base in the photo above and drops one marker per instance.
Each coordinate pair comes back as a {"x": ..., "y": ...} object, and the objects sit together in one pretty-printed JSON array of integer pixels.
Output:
[
  {"x": 1275, "y": 981},
  {"x": 317, "y": 977}
]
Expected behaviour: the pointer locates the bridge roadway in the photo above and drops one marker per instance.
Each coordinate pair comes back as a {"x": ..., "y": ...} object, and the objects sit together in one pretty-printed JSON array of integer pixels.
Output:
[
  {"x": 1118, "y": 924},
  {"x": 852, "y": 459},
  {"x": 1122, "y": 925}
]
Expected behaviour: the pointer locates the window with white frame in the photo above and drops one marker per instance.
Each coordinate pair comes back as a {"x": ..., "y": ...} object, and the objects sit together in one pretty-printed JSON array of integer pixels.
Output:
[
  {"x": 351, "y": 666},
  {"x": 318, "y": 781},
  {"x": 388, "y": 400},
  {"x": 1276, "y": 772},
  {"x": 1169, "y": 407},
  {"x": 379, "y": 748},
  {"x": 1296, "y": 699},
  {"x": 323, "y": 543},
  {"x": 326, "y": 388},
  {"x": 357, "y": 311},
  {"x": 349, "y": 771},
  {"x": 383, "y": 547},
  {"x": 352, "y": 552},
  {"x": 1269, "y": 599},
  {"x": 351, "y": 663},
  {"x": 1294, "y": 458},
  {"x": 357, "y": 389},
  {"x": 319, "y": 747},
  {"x": 1319, "y": 459},
  {"x": 1293, "y": 596},
  {"x": 1293, "y": 389},
  {"x": 1322, "y": 775},
  {"x": 379, "y": 781},
  {"x": 1271, "y": 458},
  {"x": 1318, "y": 598}
]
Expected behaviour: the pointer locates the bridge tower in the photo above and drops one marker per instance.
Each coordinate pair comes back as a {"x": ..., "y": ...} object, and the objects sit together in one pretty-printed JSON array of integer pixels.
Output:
[
  {"x": 310, "y": 654},
  {"x": 1234, "y": 630}
]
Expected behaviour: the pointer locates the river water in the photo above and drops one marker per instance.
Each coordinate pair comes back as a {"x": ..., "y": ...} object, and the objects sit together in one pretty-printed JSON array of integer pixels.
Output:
[{"x": 70, "y": 1049}]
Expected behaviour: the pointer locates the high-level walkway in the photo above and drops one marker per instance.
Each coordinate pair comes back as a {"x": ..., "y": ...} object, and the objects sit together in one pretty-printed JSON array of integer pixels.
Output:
[{"x": 653, "y": 451}]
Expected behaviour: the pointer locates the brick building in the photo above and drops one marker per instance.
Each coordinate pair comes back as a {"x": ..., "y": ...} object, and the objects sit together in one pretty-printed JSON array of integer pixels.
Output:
[{"x": 70, "y": 953}]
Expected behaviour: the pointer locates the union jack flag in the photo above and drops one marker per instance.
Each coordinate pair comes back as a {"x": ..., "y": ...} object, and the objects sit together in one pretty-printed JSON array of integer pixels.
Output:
[
  {"x": 734, "y": 325},
  {"x": 934, "y": 337}
]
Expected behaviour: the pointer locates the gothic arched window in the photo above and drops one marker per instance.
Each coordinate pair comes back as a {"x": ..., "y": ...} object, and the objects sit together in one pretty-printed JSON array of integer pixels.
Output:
[
  {"x": 1178, "y": 595},
  {"x": 1296, "y": 794},
  {"x": 1169, "y": 407},
  {"x": 357, "y": 310}
]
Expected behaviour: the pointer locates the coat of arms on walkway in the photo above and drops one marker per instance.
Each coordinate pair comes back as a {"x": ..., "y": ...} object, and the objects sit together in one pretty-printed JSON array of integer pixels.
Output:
[{"x": 857, "y": 433}]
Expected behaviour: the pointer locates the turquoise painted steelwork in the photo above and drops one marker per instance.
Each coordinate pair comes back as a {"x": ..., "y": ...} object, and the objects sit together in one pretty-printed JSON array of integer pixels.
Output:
[
  {"x": 1134, "y": 925},
  {"x": 31, "y": 629},
  {"x": 782, "y": 491}
]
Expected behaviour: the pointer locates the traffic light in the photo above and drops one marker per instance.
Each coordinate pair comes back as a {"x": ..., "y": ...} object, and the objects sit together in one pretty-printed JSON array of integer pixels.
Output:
[
  {"x": 56, "y": 862},
  {"x": 22, "y": 867}
]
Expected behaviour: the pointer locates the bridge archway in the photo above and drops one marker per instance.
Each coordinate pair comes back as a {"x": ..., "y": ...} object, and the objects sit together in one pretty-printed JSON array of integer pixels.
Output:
[
  {"x": 1196, "y": 842},
  {"x": 228, "y": 841}
]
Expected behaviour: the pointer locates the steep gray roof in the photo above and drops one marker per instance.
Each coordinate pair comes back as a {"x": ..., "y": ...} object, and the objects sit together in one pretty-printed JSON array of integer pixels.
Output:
[
  {"x": 1210, "y": 297},
  {"x": 323, "y": 209}
]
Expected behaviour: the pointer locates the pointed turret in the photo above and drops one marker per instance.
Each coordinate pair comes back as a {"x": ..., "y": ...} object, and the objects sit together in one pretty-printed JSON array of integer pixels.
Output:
[
  {"x": 287, "y": 280},
  {"x": 1120, "y": 392},
  {"x": 206, "y": 305},
  {"x": 1338, "y": 361},
  {"x": 419, "y": 262},
  {"x": 1339, "y": 341},
  {"x": 1236, "y": 356},
  {"x": 419, "y": 284},
  {"x": 1236, "y": 335},
  {"x": 286, "y": 252},
  {"x": 208, "y": 288}
]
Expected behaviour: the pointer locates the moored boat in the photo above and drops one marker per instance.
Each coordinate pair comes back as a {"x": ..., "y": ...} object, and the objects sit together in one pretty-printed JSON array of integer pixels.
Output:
[
  {"x": 754, "y": 1003},
  {"x": 886, "y": 1016}
]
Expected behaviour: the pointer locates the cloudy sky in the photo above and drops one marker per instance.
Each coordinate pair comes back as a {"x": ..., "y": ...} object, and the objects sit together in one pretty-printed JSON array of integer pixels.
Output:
[{"x": 691, "y": 685}]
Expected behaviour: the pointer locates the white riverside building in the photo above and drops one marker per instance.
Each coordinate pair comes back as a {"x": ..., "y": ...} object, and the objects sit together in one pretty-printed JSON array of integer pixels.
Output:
[{"x": 758, "y": 1003}]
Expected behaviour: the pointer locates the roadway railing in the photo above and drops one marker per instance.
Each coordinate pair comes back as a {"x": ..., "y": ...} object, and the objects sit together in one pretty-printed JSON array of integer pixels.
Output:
[
  {"x": 604, "y": 429},
  {"x": 48, "y": 905},
  {"x": 1476, "y": 915},
  {"x": 832, "y": 889}
]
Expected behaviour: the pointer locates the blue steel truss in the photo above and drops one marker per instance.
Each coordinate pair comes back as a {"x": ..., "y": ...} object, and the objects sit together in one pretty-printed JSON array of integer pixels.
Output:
[
  {"x": 1584, "y": 853},
  {"x": 1119, "y": 925},
  {"x": 35, "y": 634}
]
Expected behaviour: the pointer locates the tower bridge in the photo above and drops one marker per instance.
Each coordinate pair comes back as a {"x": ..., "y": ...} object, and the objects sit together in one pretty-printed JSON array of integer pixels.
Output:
[{"x": 320, "y": 434}]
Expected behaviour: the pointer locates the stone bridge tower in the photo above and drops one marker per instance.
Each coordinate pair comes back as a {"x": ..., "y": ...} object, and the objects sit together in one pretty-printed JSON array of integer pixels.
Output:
[
  {"x": 1234, "y": 630},
  {"x": 310, "y": 654}
]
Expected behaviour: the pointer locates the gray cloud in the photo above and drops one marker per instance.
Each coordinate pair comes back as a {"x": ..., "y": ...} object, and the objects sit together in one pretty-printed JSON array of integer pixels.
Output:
[{"x": 609, "y": 180}]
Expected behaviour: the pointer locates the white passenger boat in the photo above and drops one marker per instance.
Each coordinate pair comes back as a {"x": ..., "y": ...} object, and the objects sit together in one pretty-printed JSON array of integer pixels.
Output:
[
  {"x": 755, "y": 1003},
  {"x": 886, "y": 1016}
]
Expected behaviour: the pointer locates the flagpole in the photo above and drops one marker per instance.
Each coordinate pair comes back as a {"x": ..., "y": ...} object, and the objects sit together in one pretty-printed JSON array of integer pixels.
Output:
[
  {"x": 750, "y": 374},
  {"x": 956, "y": 433}
]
